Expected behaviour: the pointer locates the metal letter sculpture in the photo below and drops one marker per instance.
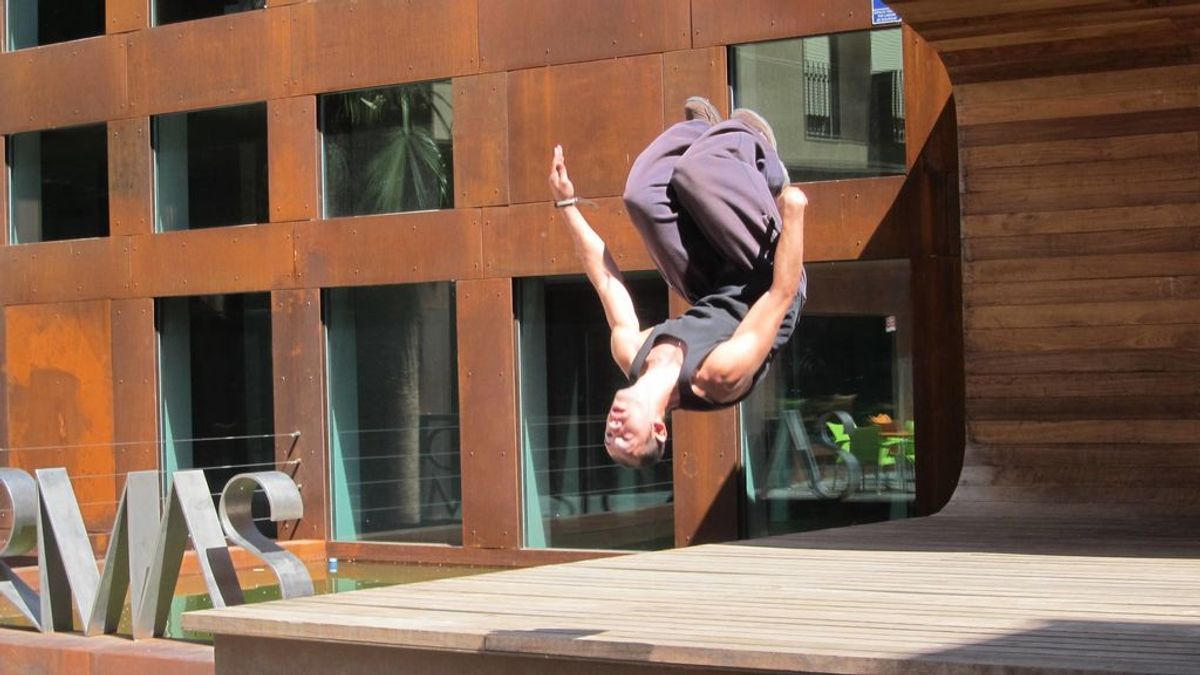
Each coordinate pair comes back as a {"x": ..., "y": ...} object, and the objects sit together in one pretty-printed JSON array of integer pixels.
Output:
[{"x": 140, "y": 560}]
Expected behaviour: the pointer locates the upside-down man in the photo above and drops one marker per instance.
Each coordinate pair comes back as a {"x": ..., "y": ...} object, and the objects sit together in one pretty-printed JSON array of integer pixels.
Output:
[{"x": 711, "y": 201}]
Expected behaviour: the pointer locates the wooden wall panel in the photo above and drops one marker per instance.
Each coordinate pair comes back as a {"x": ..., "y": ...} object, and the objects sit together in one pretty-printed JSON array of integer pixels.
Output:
[
  {"x": 130, "y": 177},
  {"x": 481, "y": 140},
  {"x": 293, "y": 149},
  {"x": 297, "y": 338},
  {"x": 718, "y": 22},
  {"x": 60, "y": 396},
  {"x": 694, "y": 72},
  {"x": 6, "y": 457},
  {"x": 123, "y": 16},
  {"x": 533, "y": 240},
  {"x": 62, "y": 271},
  {"x": 603, "y": 114},
  {"x": 216, "y": 260},
  {"x": 67, "y": 84},
  {"x": 487, "y": 381},
  {"x": 135, "y": 385},
  {"x": 348, "y": 45},
  {"x": 522, "y": 33},
  {"x": 219, "y": 61},
  {"x": 1080, "y": 190},
  {"x": 389, "y": 249}
]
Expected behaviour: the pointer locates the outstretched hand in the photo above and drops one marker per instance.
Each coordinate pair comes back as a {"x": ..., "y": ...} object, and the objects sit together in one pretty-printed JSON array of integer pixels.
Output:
[{"x": 560, "y": 184}]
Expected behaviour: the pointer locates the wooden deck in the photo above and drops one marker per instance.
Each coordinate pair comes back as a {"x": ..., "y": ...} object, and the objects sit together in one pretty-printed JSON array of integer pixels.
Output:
[{"x": 940, "y": 594}]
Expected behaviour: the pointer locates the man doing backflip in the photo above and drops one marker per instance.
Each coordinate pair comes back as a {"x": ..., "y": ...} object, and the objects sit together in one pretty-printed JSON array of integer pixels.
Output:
[{"x": 712, "y": 203}]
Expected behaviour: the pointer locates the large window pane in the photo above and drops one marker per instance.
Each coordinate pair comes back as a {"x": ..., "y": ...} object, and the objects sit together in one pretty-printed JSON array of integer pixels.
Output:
[
  {"x": 836, "y": 102},
  {"x": 42, "y": 22},
  {"x": 828, "y": 434},
  {"x": 59, "y": 184},
  {"x": 575, "y": 495},
  {"x": 211, "y": 167},
  {"x": 215, "y": 379},
  {"x": 388, "y": 149},
  {"x": 393, "y": 405},
  {"x": 171, "y": 11}
]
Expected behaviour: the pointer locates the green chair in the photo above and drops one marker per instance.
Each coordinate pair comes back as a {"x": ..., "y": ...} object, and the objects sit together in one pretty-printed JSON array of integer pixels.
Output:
[{"x": 867, "y": 446}]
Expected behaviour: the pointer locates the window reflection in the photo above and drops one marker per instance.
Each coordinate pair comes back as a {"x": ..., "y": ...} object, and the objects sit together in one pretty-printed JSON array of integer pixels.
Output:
[
  {"x": 850, "y": 87},
  {"x": 393, "y": 405},
  {"x": 828, "y": 436},
  {"x": 575, "y": 495},
  {"x": 388, "y": 149}
]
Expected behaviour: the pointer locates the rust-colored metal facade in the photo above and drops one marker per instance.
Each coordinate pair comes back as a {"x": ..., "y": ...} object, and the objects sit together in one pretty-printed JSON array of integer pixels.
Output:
[{"x": 602, "y": 77}]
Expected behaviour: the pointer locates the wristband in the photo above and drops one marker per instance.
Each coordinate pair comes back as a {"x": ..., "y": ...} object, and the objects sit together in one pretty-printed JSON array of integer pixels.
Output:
[{"x": 564, "y": 203}]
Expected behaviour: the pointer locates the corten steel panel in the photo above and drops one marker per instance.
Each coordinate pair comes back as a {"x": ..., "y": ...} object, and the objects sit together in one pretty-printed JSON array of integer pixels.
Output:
[
  {"x": 488, "y": 411},
  {"x": 938, "y": 378},
  {"x": 926, "y": 93},
  {"x": 347, "y": 45},
  {"x": 4, "y": 440},
  {"x": 293, "y": 147},
  {"x": 533, "y": 239},
  {"x": 522, "y": 33},
  {"x": 64, "y": 270},
  {"x": 135, "y": 385},
  {"x": 481, "y": 140},
  {"x": 603, "y": 114},
  {"x": 68, "y": 84},
  {"x": 60, "y": 395},
  {"x": 130, "y": 179},
  {"x": 719, "y": 22},
  {"x": 217, "y": 260},
  {"x": 706, "y": 458},
  {"x": 124, "y": 16},
  {"x": 855, "y": 219},
  {"x": 694, "y": 72},
  {"x": 208, "y": 63},
  {"x": 297, "y": 339},
  {"x": 389, "y": 249}
]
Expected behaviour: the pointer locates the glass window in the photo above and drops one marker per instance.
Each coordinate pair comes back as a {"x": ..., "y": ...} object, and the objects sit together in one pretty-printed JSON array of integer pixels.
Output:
[
  {"x": 575, "y": 495},
  {"x": 388, "y": 149},
  {"x": 42, "y": 22},
  {"x": 393, "y": 407},
  {"x": 59, "y": 184},
  {"x": 171, "y": 11},
  {"x": 836, "y": 102},
  {"x": 216, "y": 385},
  {"x": 828, "y": 434},
  {"x": 211, "y": 167}
]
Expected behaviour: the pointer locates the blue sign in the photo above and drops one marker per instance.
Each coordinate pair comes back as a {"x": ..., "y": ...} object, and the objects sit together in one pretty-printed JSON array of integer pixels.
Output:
[{"x": 881, "y": 14}]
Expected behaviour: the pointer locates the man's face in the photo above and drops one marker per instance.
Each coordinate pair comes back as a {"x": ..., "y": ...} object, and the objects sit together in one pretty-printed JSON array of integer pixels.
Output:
[{"x": 632, "y": 434}]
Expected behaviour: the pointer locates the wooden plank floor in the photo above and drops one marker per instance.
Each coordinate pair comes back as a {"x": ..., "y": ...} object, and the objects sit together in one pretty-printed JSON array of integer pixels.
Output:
[{"x": 939, "y": 594}]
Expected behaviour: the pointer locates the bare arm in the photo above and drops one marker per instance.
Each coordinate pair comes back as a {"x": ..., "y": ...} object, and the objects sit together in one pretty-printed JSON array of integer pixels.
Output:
[
  {"x": 729, "y": 370},
  {"x": 601, "y": 269}
]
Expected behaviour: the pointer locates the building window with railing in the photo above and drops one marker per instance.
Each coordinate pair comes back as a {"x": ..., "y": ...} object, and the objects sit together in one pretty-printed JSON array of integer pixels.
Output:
[
  {"x": 575, "y": 496},
  {"x": 393, "y": 413}
]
